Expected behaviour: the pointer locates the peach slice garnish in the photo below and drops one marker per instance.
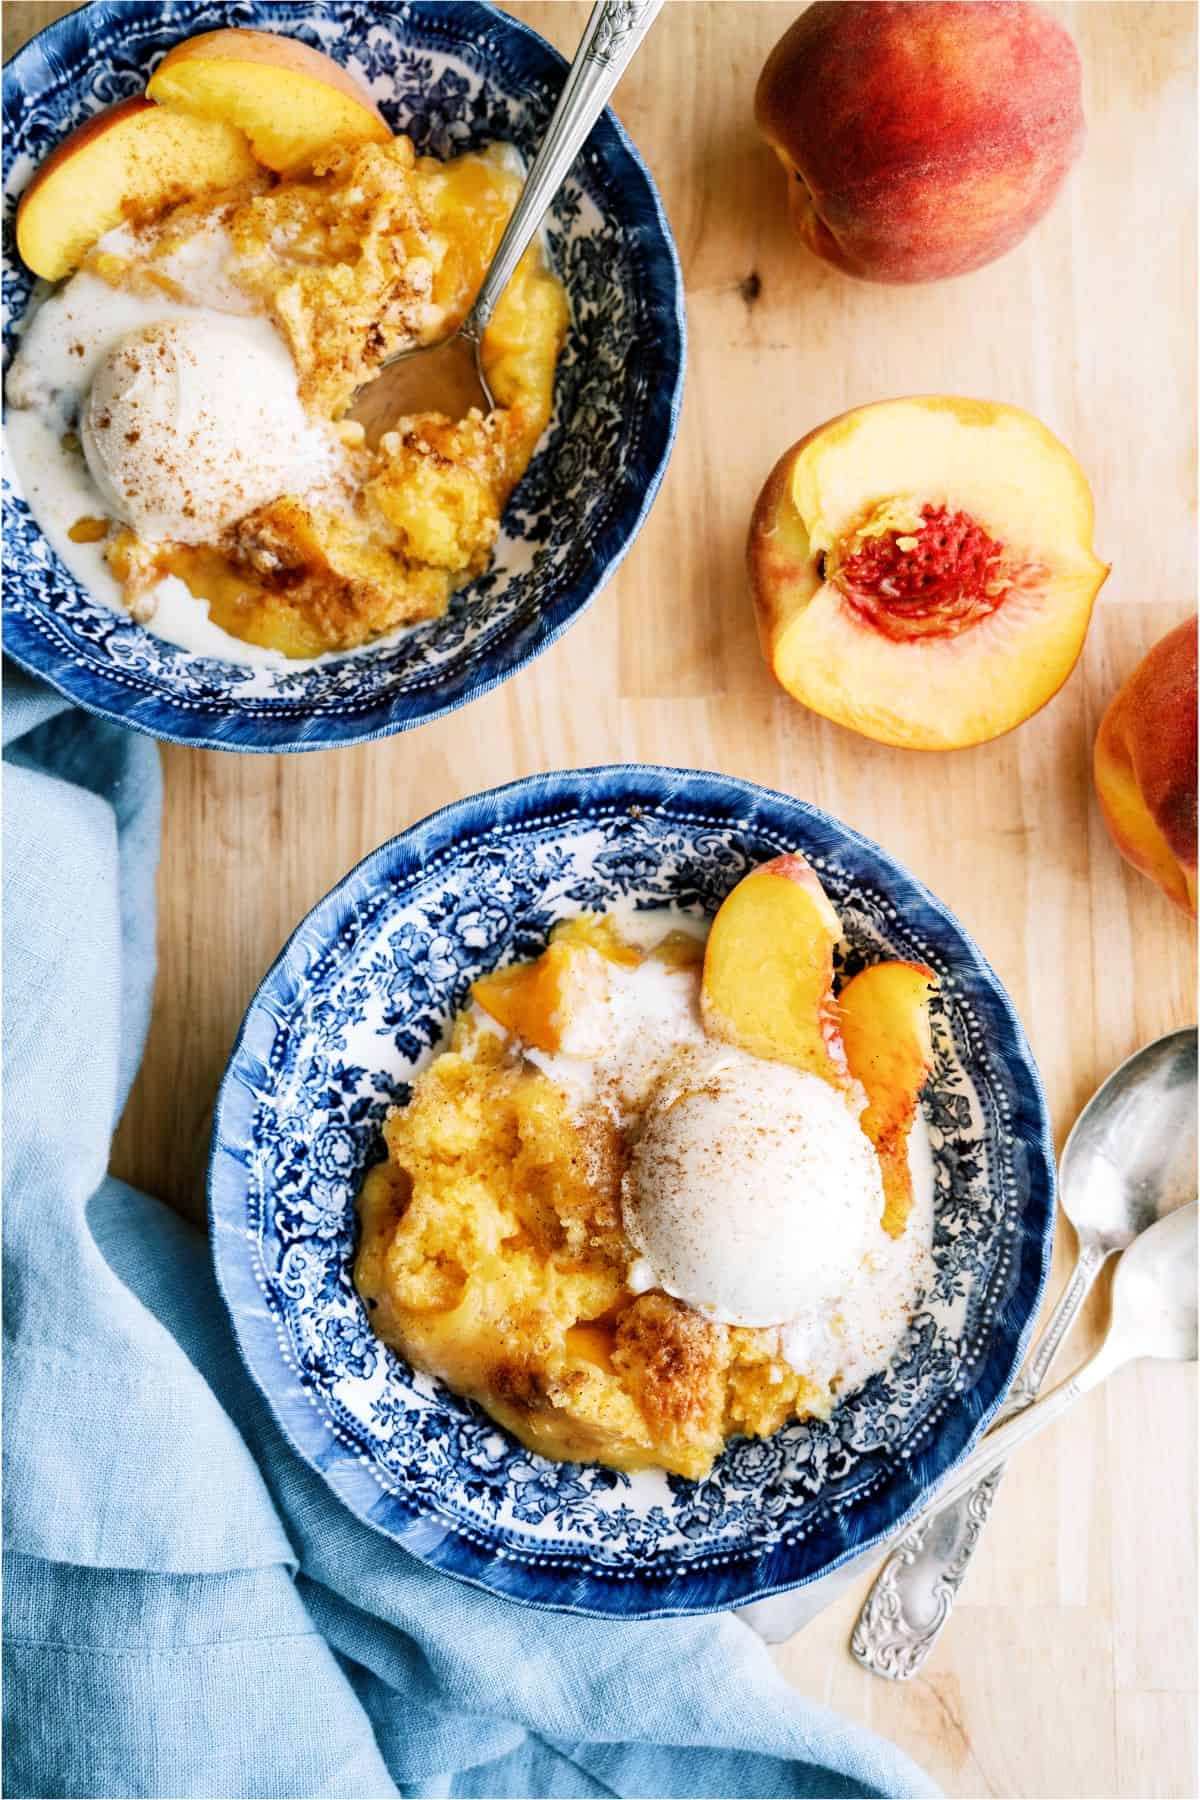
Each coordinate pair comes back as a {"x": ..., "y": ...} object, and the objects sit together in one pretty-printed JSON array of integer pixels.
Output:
[
  {"x": 546, "y": 1003},
  {"x": 885, "y": 1028},
  {"x": 129, "y": 162},
  {"x": 922, "y": 570},
  {"x": 768, "y": 971},
  {"x": 290, "y": 101},
  {"x": 1145, "y": 766}
]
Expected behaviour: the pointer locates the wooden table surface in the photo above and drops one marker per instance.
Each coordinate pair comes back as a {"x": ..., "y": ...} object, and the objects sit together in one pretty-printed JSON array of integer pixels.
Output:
[{"x": 1069, "y": 1667}]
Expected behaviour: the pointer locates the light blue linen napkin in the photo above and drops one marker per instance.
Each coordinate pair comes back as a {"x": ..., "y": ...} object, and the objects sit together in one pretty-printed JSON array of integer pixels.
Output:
[{"x": 188, "y": 1610}]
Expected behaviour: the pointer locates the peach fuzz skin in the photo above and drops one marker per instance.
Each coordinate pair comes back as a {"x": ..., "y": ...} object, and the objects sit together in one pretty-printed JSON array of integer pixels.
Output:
[
  {"x": 964, "y": 681},
  {"x": 1145, "y": 766},
  {"x": 921, "y": 140}
]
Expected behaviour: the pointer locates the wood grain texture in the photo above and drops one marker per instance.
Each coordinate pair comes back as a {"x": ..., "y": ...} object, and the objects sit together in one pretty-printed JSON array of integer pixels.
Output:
[{"x": 1069, "y": 1667}]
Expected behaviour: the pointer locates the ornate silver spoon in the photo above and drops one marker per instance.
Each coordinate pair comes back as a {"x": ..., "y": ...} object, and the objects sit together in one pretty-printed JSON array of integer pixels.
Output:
[
  {"x": 448, "y": 377},
  {"x": 1130, "y": 1159}
]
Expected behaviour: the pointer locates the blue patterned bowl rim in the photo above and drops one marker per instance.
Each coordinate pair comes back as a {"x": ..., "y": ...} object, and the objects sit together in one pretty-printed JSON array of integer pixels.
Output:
[
  {"x": 69, "y": 41},
  {"x": 633, "y": 1591}
]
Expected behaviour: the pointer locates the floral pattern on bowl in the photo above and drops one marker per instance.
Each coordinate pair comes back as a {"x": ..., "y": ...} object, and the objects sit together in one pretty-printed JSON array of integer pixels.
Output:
[
  {"x": 360, "y": 998},
  {"x": 454, "y": 78}
]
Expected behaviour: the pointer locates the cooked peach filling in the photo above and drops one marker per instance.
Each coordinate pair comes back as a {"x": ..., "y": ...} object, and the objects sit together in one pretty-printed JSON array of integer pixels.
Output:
[
  {"x": 374, "y": 251},
  {"x": 497, "y": 1251},
  {"x": 492, "y": 1255}
]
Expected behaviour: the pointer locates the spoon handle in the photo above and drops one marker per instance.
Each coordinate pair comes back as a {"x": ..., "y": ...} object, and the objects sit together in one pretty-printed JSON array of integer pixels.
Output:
[
  {"x": 612, "y": 35},
  {"x": 914, "y": 1593},
  {"x": 999, "y": 1445}
]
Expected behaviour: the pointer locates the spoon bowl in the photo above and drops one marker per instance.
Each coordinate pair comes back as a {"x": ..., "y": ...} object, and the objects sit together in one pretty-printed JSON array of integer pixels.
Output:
[
  {"x": 443, "y": 378},
  {"x": 448, "y": 377},
  {"x": 1154, "y": 1294},
  {"x": 1131, "y": 1155}
]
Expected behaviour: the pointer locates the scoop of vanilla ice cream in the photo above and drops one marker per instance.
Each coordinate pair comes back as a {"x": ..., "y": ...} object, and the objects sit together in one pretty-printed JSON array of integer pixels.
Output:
[
  {"x": 192, "y": 423},
  {"x": 751, "y": 1191}
]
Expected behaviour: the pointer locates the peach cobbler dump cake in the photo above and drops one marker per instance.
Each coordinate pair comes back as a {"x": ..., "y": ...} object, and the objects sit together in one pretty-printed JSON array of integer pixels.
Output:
[
  {"x": 633, "y": 1220},
  {"x": 194, "y": 372}
]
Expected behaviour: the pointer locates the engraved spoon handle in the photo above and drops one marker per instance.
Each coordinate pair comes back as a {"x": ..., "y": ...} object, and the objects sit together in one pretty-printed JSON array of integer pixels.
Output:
[
  {"x": 914, "y": 1593},
  {"x": 612, "y": 35}
]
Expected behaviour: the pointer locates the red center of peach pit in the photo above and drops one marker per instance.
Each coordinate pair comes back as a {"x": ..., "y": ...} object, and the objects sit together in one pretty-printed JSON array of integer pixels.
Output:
[{"x": 948, "y": 577}]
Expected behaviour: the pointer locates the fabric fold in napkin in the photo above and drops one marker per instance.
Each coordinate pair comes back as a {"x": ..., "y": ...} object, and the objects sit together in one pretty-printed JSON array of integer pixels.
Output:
[{"x": 188, "y": 1609}]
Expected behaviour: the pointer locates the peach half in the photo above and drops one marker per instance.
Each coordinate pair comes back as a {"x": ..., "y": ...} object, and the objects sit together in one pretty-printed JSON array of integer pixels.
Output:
[
  {"x": 291, "y": 102},
  {"x": 885, "y": 1027},
  {"x": 1145, "y": 766},
  {"x": 129, "y": 162},
  {"x": 920, "y": 140},
  {"x": 922, "y": 570},
  {"x": 767, "y": 984}
]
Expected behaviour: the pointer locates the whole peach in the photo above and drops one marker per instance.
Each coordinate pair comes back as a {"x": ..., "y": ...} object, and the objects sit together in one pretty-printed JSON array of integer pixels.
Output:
[
  {"x": 1145, "y": 766},
  {"x": 922, "y": 138}
]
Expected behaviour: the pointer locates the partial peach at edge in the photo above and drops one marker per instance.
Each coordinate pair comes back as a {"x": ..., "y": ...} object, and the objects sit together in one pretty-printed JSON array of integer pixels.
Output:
[
  {"x": 767, "y": 983},
  {"x": 292, "y": 102},
  {"x": 958, "y": 679},
  {"x": 1145, "y": 766},
  {"x": 884, "y": 1014},
  {"x": 128, "y": 162}
]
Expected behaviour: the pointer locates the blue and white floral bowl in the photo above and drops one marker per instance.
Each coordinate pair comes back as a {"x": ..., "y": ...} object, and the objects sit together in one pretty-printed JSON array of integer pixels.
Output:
[
  {"x": 361, "y": 996},
  {"x": 453, "y": 77}
]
